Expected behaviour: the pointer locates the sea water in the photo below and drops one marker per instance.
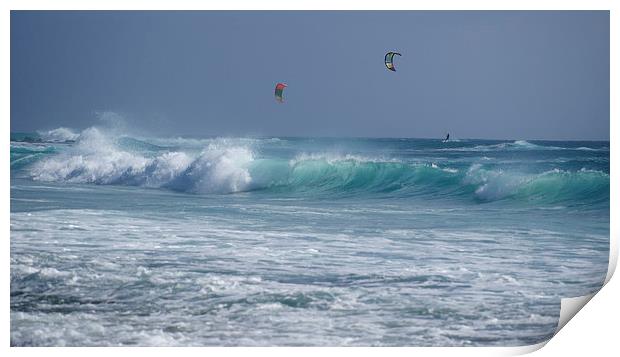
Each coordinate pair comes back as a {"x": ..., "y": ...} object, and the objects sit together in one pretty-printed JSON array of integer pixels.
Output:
[{"x": 127, "y": 240}]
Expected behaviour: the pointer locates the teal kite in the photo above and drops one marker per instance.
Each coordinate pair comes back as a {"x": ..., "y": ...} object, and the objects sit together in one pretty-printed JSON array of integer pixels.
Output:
[{"x": 389, "y": 60}]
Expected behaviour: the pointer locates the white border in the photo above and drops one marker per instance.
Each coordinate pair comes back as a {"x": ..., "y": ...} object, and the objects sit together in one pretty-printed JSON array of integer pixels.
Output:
[{"x": 597, "y": 327}]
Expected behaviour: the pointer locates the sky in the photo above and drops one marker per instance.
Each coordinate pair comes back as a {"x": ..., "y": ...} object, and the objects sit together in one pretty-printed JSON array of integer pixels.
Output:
[{"x": 475, "y": 74}]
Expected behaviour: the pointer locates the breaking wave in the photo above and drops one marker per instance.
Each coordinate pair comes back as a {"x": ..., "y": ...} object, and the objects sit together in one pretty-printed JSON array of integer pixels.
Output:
[
  {"x": 236, "y": 165},
  {"x": 59, "y": 135}
]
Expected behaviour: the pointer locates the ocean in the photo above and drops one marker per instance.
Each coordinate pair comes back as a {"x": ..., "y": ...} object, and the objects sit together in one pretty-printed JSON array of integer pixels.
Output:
[{"x": 125, "y": 240}]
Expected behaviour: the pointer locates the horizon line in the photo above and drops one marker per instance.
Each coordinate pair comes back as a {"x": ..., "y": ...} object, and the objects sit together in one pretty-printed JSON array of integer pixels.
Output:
[{"x": 185, "y": 135}]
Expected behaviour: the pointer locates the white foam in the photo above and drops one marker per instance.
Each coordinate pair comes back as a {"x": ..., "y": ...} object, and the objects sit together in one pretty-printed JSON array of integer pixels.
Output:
[
  {"x": 333, "y": 158},
  {"x": 493, "y": 184},
  {"x": 96, "y": 158},
  {"x": 223, "y": 169},
  {"x": 58, "y": 135}
]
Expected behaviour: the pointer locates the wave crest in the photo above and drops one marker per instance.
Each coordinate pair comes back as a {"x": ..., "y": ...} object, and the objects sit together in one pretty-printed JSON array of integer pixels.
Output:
[
  {"x": 58, "y": 135},
  {"x": 232, "y": 165},
  {"x": 551, "y": 186},
  {"x": 96, "y": 158}
]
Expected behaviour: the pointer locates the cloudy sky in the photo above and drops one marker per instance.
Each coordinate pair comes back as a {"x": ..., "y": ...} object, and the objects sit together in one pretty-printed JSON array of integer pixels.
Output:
[{"x": 476, "y": 74}]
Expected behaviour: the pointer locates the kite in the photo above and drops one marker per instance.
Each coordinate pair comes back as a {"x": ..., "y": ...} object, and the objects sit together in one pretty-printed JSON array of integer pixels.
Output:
[
  {"x": 279, "y": 89},
  {"x": 389, "y": 60}
]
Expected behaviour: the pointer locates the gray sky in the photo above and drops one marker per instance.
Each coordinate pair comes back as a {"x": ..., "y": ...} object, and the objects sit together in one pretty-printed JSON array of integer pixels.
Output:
[{"x": 476, "y": 74}]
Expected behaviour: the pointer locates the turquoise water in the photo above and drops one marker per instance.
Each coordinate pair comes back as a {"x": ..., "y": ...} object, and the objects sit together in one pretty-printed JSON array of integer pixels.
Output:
[{"x": 126, "y": 240}]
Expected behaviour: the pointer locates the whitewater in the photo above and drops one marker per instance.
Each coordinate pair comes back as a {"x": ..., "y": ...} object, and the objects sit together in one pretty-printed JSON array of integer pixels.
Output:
[{"x": 119, "y": 239}]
